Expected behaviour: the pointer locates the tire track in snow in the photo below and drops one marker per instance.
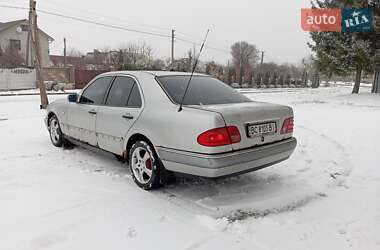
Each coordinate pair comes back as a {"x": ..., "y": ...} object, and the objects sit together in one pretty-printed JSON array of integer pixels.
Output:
[
  {"x": 338, "y": 178},
  {"x": 275, "y": 190}
]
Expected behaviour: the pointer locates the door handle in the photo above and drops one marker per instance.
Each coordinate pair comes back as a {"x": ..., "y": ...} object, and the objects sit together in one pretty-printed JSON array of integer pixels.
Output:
[
  {"x": 128, "y": 116},
  {"x": 92, "y": 112}
]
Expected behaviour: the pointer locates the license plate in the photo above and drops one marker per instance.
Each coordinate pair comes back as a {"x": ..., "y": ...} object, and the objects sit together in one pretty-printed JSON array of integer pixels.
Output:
[{"x": 261, "y": 129}]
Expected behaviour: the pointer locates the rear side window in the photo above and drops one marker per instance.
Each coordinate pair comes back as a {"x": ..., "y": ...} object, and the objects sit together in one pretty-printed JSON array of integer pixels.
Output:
[
  {"x": 135, "y": 98},
  {"x": 120, "y": 91},
  {"x": 95, "y": 93},
  {"x": 203, "y": 90}
]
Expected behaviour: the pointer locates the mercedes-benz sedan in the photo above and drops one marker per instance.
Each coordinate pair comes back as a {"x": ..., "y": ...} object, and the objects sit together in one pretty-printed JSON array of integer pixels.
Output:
[{"x": 135, "y": 115}]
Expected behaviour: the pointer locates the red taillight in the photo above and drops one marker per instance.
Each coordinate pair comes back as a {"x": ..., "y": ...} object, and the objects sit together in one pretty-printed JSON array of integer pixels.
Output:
[
  {"x": 234, "y": 134},
  {"x": 287, "y": 126},
  {"x": 219, "y": 136}
]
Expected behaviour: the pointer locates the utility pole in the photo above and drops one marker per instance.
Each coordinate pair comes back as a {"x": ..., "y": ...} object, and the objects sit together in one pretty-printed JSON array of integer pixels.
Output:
[
  {"x": 262, "y": 59},
  {"x": 64, "y": 51},
  {"x": 227, "y": 78},
  {"x": 37, "y": 53},
  {"x": 194, "y": 56},
  {"x": 241, "y": 65},
  {"x": 173, "y": 37},
  {"x": 261, "y": 69}
]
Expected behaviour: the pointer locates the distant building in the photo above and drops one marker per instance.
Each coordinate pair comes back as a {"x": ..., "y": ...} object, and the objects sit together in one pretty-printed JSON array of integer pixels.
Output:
[
  {"x": 95, "y": 60},
  {"x": 15, "y": 36},
  {"x": 70, "y": 61}
]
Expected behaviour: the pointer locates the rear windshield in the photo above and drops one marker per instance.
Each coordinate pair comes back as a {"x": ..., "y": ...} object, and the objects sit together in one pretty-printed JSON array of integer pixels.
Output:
[{"x": 203, "y": 90}]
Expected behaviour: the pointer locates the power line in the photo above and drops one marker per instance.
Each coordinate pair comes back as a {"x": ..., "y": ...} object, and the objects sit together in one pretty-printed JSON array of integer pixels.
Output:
[
  {"x": 83, "y": 20},
  {"x": 108, "y": 17},
  {"x": 13, "y": 7},
  {"x": 102, "y": 24},
  {"x": 206, "y": 46}
]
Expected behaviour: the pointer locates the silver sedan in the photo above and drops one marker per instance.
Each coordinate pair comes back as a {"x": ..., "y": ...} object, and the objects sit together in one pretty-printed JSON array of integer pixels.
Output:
[{"x": 135, "y": 115}]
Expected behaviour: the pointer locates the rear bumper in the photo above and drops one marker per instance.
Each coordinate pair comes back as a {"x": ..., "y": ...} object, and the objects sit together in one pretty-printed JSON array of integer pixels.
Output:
[{"x": 231, "y": 163}]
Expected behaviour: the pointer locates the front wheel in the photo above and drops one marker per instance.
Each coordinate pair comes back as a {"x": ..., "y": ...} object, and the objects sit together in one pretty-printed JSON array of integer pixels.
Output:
[
  {"x": 56, "y": 136},
  {"x": 145, "y": 166}
]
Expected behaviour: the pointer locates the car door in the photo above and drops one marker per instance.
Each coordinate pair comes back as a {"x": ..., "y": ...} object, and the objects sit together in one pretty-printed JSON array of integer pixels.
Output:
[
  {"x": 121, "y": 110},
  {"x": 82, "y": 114}
]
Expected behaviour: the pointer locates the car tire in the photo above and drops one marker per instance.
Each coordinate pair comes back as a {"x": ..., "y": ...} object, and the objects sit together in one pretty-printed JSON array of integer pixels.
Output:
[
  {"x": 55, "y": 132},
  {"x": 145, "y": 166}
]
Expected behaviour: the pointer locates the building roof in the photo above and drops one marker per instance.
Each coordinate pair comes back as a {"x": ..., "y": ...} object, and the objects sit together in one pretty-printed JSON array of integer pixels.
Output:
[{"x": 7, "y": 25}]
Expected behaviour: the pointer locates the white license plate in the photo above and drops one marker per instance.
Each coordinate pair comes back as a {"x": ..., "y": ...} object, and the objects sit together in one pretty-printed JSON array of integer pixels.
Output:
[{"x": 261, "y": 129}]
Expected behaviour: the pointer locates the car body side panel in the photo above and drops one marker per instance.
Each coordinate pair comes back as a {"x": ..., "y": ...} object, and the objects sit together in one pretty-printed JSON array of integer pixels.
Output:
[
  {"x": 81, "y": 123},
  {"x": 170, "y": 128},
  {"x": 111, "y": 127},
  {"x": 60, "y": 108}
]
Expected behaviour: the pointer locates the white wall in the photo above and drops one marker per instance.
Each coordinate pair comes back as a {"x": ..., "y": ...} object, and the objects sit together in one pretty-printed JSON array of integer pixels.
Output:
[{"x": 19, "y": 78}]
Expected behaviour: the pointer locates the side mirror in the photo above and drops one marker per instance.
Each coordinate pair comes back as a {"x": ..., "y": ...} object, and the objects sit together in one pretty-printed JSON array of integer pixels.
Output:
[{"x": 72, "y": 97}]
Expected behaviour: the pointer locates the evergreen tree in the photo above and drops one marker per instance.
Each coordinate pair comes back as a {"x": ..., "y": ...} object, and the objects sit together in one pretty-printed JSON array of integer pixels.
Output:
[{"x": 341, "y": 53}]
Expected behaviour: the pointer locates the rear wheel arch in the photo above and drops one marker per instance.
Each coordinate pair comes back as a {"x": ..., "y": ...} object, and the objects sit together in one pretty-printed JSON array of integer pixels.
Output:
[{"x": 132, "y": 140}]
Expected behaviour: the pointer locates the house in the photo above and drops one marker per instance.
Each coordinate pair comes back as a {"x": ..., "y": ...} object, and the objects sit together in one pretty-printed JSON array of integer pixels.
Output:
[{"x": 15, "y": 36}]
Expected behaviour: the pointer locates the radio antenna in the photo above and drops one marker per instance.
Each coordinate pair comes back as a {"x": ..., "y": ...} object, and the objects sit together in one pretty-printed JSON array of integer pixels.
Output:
[{"x": 192, "y": 72}]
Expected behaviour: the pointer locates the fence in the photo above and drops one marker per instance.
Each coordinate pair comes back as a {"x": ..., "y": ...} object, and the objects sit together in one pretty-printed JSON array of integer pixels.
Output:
[
  {"x": 59, "y": 75},
  {"x": 82, "y": 77},
  {"x": 18, "y": 78}
]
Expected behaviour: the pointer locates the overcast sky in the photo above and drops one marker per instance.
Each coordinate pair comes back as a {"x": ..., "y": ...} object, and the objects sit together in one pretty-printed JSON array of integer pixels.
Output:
[{"x": 273, "y": 26}]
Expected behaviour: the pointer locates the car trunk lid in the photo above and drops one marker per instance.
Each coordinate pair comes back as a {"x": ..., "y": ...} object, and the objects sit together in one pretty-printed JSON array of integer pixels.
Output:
[{"x": 248, "y": 114}]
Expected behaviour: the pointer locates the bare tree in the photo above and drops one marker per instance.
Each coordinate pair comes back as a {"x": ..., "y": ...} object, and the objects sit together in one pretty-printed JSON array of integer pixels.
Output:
[
  {"x": 74, "y": 52},
  {"x": 136, "y": 56},
  {"x": 214, "y": 69},
  {"x": 245, "y": 57},
  {"x": 157, "y": 64}
]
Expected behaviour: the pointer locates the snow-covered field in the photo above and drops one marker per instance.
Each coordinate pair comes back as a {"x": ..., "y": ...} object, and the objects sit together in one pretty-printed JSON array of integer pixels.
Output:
[{"x": 327, "y": 196}]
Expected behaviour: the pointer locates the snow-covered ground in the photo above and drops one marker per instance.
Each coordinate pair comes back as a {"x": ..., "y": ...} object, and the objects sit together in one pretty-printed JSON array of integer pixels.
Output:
[{"x": 327, "y": 196}]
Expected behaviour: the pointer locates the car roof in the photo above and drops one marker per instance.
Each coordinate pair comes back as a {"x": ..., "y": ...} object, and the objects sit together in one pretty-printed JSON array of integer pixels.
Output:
[{"x": 154, "y": 73}]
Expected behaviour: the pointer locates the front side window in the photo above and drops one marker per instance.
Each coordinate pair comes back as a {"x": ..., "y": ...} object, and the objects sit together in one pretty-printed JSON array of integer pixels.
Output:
[
  {"x": 95, "y": 93},
  {"x": 202, "y": 90},
  {"x": 120, "y": 91}
]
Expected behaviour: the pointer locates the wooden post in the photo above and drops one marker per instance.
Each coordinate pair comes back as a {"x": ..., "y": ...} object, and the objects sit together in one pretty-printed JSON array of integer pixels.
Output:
[
  {"x": 172, "y": 54},
  {"x": 64, "y": 51},
  {"x": 37, "y": 53}
]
